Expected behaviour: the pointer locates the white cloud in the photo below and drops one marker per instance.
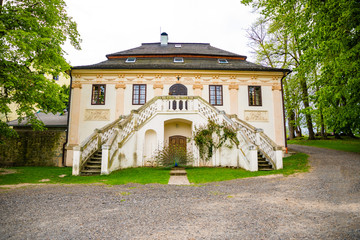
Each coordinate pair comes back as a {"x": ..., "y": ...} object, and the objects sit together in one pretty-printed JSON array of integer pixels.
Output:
[{"x": 115, "y": 25}]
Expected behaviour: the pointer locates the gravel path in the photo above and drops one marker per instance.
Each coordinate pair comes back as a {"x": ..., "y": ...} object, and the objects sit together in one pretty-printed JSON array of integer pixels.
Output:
[{"x": 321, "y": 204}]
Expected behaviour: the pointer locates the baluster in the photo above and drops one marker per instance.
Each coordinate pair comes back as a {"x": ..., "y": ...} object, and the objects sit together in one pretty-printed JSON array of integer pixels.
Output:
[{"x": 181, "y": 105}]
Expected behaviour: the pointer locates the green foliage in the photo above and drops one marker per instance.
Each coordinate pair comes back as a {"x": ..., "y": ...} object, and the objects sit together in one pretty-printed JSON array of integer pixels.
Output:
[
  {"x": 173, "y": 155},
  {"x": 293, "y": 164},
  {"x": 31, "y": 35},
  {"x": 213, "y": 136},
  {"x": 124, "y": 176},
  {"x": 323, "y": 46}
]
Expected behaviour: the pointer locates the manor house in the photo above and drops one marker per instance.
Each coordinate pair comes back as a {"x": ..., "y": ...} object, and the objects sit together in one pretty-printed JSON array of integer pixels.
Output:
[{"x": 138, "y": 100}]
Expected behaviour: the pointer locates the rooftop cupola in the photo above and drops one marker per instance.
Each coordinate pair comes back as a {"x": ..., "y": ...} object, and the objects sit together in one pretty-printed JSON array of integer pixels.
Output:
[{"x": 164, "y": 39}]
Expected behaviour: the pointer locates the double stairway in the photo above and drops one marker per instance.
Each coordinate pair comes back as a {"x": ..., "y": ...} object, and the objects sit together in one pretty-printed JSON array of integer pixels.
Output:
[{"x": 108, "y": 140}]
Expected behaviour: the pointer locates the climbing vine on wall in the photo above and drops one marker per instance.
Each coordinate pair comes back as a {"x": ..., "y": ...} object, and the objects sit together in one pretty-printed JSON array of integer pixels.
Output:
[{"x": 213, "y": 136}]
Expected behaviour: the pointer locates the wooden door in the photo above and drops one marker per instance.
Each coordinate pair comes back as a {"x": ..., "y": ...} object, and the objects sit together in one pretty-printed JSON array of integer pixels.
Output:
[{"x": 178, "y": 140}]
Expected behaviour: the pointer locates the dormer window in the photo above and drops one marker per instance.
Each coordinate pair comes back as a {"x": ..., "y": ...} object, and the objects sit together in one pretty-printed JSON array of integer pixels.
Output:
[
  {"x": 222, "y": 60},
  {"x": 130, "y": 60},
  {"x": 178, "y": 60}
]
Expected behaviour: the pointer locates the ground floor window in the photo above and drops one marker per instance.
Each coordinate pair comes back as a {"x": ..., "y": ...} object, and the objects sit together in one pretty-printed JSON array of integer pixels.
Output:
[
  {"x": 139, "y": 94},
  {"x": 255, "y": 96},
  {"x": 98, "y": 94},
  {"x": 216, "y": 95}
]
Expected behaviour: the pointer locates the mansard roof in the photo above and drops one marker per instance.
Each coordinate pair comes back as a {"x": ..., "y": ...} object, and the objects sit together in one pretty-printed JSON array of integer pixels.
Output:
[
  {"x": 197, "y": 56},
  {"x": 204, "y": 49}
]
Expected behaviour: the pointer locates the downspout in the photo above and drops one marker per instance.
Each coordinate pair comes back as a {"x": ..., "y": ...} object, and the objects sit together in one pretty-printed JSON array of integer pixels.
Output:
[
  {"x": 283, "y": 106},
  {"x": 68, "y": 118}
]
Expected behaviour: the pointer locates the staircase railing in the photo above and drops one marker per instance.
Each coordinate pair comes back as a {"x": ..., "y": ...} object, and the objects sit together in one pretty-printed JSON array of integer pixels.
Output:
[
  {"x": 90, "y": 145},
  {"x": 261, "y": 140},
  {"x": 114, "y": 135}
]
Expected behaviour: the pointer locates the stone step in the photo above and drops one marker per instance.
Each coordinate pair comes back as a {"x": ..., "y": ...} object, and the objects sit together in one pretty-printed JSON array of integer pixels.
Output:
[
  {"x": 96, "y": 158},
  {"x": 264, "y": 165},
  {"x": 178, "y": 171},
  {"x": 265, "y": 169},
  {"x": 93, "y": 166},
  {"x": 91, "y": 171},
  {"x": 94, "y": 162}
]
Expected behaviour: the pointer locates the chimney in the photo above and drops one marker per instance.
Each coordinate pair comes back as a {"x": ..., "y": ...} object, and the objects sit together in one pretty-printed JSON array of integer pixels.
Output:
[{"x": 164, "y": 39}]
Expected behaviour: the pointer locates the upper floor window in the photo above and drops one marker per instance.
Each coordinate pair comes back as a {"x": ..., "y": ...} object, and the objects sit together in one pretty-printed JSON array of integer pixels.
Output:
[
  {"x": 130, "y": 60},
  {"x": 255, "y": 96},
  {"x": 56, "y": 78},
  {"x": 139, "y": 94},
  {"x": 216, "y": 95},
  {"x": 178, "y": 59},
  {"x": 98, "y": 94},
  {"x": 222, "y": 60}
]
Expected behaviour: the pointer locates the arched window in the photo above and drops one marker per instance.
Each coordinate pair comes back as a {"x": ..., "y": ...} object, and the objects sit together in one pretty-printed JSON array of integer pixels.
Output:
[{"x": 178, "y": 89}]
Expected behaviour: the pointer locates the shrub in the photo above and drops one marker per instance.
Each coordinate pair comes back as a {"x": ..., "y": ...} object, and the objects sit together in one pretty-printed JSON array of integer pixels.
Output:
[
  {"x": 213, "y": 136},
  {"x": 173, "y": 155}
]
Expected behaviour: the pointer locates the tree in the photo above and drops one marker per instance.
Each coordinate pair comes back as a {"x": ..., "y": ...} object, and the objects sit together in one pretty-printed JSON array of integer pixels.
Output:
[
  {"x": 327, "y": 37},
  {"x": 31, "y": 35}
]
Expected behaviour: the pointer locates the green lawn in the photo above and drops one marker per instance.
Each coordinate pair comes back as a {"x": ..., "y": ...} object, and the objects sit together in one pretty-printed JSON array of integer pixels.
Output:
[
  {"x": 345, "y": 144},
  {"x": 35, "y": 174},
  {"x": 292, "y": 164}
]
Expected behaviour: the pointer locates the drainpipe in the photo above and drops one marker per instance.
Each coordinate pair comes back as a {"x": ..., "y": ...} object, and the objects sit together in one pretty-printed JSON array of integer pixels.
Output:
[
  {"x": 68, "y": 118},
  {"x": 283, "y": 106}
]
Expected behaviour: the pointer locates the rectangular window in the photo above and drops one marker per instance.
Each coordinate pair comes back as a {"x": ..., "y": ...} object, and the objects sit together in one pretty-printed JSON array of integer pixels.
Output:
[
  {"x": 139, "y": 94},
  {"x": 216, "y": 95},
  {"x": 255, "y": 96},
  {"x": 98, "y": 94}
]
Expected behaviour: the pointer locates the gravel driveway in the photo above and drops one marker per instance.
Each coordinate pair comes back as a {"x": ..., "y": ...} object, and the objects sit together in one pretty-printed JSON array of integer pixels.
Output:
[{"x": 321, "y": 204}]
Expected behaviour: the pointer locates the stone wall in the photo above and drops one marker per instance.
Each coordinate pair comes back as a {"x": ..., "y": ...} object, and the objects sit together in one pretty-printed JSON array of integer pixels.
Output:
[{"x": 34, "y": 148}]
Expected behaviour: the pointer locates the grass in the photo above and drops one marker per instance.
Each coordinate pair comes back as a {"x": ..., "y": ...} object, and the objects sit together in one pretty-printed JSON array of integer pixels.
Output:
[
  {"x": 134, "y": 175},
  {"x": 345, "y": 144},
  {"x": 292, "y": 164}
]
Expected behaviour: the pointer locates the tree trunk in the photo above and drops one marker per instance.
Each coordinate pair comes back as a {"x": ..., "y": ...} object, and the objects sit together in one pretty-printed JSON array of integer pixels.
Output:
[
  {"x": 291, "y": 120},
  {"x": 322, "y": 130},
  {"x": 305, "y": 98}
]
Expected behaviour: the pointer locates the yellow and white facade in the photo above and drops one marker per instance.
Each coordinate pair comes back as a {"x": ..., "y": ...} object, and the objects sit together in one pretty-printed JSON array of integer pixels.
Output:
[{"x": 128, "y": 130}]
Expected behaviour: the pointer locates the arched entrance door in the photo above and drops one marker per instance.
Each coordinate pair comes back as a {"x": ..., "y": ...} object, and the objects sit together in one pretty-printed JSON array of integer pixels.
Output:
[
  {"x": 178, "y": 140},
  {"x": 178, "y": 89}
]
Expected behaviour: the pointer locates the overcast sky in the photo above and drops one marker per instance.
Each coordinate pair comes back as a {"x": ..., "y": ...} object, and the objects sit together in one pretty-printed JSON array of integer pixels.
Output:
[{"x": 110, "y": 26}]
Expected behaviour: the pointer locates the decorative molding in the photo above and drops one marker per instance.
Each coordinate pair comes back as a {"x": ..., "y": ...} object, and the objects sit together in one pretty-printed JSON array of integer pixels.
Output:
[
  {"x": 158, "y": 85},
  {"x": 233, "y": 87},
  {"x": 76, "y": 85},
  {"x": 197, "y": 86},
  {"x": 97, "y": 115},
  {"x": 276, "y": 87},
  {"x": 99, "y": 76},
  {"x": 256, "y": 116},
  {"x": 120, "y": 85}
]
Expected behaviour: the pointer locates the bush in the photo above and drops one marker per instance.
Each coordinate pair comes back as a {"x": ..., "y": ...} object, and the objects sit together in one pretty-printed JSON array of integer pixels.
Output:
[{"x": 173, "y": 156}]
